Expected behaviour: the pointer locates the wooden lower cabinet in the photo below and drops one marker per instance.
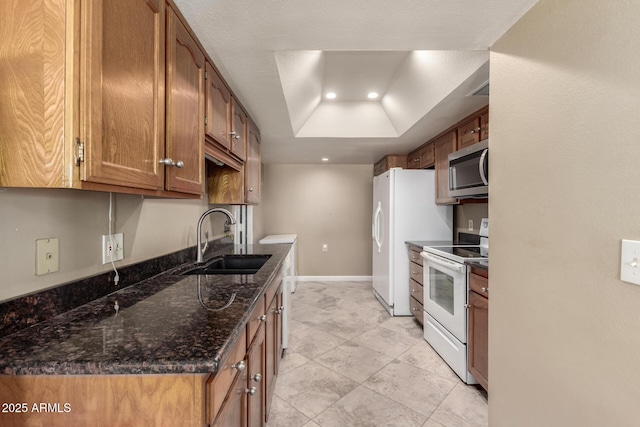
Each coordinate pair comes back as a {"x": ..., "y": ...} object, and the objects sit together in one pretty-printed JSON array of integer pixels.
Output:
[
  {"x": 273, "y": 345},
  {"x": 234, "y": 409},
  {"x": 478, "y": 361},
  {"x": 103, "y": 400},
  {"x": 415, "y": 284},
  {"x": 256, "y": 404}
]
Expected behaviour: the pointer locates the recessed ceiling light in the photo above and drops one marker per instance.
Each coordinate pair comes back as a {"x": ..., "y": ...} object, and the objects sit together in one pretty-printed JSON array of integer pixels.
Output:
[
  {"x": 325, "y": 159},
  {"x": 372, "y": 95},
  {"x": 330, "y": 95}
]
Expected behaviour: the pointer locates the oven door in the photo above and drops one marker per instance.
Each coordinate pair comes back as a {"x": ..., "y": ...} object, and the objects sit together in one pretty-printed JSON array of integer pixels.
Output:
[{"x": 445, "y": 293}]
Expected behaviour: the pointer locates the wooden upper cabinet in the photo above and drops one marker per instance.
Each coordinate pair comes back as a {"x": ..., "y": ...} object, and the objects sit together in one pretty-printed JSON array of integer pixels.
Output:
[
  {"x": 239, "y": 123},
  {"x": 252, "y": 167},
  {"x": 443, "y": 146},
  {"x": 218, "y": 109},
  {"x": 185, "y": 109},
  {"x": 469, "y": 133},
  {"x": 122, "y": 92},
  {"x": 484, "y": 126},
  {"x": 473, "y": 130}
]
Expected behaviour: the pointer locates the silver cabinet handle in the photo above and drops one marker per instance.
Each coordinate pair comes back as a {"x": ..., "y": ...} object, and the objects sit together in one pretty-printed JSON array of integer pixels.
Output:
[
  {"x": 262, "y": 318},
  {"x": 251, "y": 190},
  {"x": 485, "y": 290},
  {"x": 240, "y": 366},
  {"x": 257, "y": 378},
  {"x": 234, "y": 134},
  {"x": 251, "y": 391},
  {"x": 169, "y": 162}
]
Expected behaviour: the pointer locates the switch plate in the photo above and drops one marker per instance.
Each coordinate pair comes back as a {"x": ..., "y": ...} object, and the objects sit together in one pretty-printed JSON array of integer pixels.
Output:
[
  {"x": 325, "y": 247},
  {"x": 470, "y": 225},
  {"x": 630, "y": 262},
  {"x": 47, "y": 256},
  {"x": 116, "y": 250}
]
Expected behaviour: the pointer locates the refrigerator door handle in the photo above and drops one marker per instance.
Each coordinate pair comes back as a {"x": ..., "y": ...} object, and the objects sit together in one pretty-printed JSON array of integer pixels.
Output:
[{"x": 376, "y": 226}]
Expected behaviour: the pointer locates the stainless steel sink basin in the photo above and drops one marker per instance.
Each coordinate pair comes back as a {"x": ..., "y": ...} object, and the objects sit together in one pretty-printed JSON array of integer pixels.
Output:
[{"x": 230, "y": 264}]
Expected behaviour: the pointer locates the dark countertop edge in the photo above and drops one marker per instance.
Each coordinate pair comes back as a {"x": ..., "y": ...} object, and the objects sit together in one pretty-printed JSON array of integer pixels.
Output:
[
  {"x": 194, "y": 366},
  {"x": 482, "y": 265}
]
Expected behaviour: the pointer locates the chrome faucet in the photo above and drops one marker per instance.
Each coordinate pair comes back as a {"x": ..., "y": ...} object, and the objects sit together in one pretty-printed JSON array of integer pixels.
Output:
[{"x": 230, "y": 220}]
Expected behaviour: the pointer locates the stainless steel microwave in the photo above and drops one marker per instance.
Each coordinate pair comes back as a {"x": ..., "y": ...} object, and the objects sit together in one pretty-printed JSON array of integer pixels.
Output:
[{"x": 469, "y": 171}]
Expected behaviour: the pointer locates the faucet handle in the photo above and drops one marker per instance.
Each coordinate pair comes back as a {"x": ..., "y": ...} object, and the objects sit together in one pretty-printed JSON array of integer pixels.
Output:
[{"x": 206, "y": 242}]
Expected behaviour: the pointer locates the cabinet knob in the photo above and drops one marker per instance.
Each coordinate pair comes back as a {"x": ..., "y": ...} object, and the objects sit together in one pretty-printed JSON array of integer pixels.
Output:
[
  {"x": 257, "y": 378},
  {"x": 251, "y": 391},
  {"x": 485, "y": 290},
  {"x": 169, "y": 162},
  {"x": 413, "y": 290},
  {"x": 234, "y": 134},
  {"x": 240, "y": 366},
  {"x": 416, "y": 159},
  {"x": 262, "y": 318},
  {"x": 467, "y": 306},
  {"x": 250, "y": 189}
]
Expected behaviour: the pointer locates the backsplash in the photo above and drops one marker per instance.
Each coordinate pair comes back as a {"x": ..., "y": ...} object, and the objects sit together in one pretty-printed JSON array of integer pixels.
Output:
[{"x": 28, "y": 310}]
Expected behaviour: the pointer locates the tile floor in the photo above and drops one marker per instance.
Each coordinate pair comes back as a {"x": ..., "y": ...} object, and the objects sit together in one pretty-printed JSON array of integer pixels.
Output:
[{"x": 351, "y": 364}]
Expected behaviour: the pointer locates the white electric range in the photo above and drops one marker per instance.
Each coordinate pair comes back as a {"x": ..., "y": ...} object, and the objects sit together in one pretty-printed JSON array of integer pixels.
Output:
[{"x": 445, "y": 299}]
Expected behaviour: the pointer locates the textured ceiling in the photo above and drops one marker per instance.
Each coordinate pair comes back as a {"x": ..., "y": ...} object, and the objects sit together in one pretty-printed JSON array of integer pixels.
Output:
[{"x": 280, "y": 57}]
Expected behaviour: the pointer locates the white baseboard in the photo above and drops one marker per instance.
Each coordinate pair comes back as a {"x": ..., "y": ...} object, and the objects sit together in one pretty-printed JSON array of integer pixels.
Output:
[{"x": 333, "y": 278}]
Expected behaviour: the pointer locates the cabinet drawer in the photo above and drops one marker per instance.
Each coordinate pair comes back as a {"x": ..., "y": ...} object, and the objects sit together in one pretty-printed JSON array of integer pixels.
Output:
[
  {"x": 417, "y": 310},
  {"x": 273, "y": 288},
  {"x": 414, "y": 256},
  {"x": 218, "y": 387},
  {"x": 479, "y": 284},
  {"x": 416, "y": 290},
  {"x": 257, "y": 318},
  {"x": 415, "y": 272}
]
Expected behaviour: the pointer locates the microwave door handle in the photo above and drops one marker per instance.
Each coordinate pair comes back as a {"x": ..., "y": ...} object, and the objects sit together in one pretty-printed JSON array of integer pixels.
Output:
[
  {"x": 452, "y": 178},
  {"x": 483, "y": 173}
]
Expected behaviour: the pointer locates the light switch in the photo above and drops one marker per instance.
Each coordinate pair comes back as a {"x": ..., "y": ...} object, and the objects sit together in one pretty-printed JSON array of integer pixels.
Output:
[
  {"x": 630, "y": 262},
  {"x": 47, "y": 258}
]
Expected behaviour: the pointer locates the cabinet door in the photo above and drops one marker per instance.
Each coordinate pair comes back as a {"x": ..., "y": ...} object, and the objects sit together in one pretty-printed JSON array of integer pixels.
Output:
[
  {"x": 233, "y": 412},
  {"x": 185, "y": 109},
  {"x": 443, "y": 146},
  {"x": 122, "y": 99},
  {"x": 427, "y": 158},
  {"x": 252, "y": 167},
  {"x": 479, "y": 338},
  {"x": 413, "y": 160},
  {"x": 270, "y": 354},
  {"x": 469, "y": 133},
  {"x": 239, "y": 130},
  {"x": 218, "y": 109},
  {"x": 256, "y": 371},
  {"x": 484, "y": 126}
]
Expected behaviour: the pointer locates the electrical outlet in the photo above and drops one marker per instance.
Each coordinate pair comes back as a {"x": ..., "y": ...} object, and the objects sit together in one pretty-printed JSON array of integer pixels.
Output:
[
  {"x": 325, "y": 247},
  {"x": 470, "y": 225},
  {"x": 112, "y": 248},
  {"x": 47, "y": 258}
]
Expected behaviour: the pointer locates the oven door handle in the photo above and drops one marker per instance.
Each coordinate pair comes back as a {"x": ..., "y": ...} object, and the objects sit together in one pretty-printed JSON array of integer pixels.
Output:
[{"x": 443, "y": 262}]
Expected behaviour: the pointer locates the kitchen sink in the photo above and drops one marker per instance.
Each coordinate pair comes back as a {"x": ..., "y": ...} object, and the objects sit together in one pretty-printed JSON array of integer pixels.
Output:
[{"x": 230, "y": 264}]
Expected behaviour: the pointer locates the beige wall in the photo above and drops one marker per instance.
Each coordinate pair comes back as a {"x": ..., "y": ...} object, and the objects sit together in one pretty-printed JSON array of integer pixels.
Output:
[
  {"x": 151, "y": 227},
  {"x": 323, "y": 204},
  {"x": 564, "y": 331}
]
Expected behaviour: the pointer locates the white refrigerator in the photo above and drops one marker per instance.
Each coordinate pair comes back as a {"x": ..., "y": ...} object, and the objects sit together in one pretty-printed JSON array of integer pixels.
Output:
[{"x": 404, "y": 209}]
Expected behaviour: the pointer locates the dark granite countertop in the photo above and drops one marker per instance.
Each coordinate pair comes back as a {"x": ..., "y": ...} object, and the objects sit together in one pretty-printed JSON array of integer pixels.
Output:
[
  {"x": 482, "y": 265},
  {"x": 161, "y": 326},
  {"x": 420, "y": 243}
]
